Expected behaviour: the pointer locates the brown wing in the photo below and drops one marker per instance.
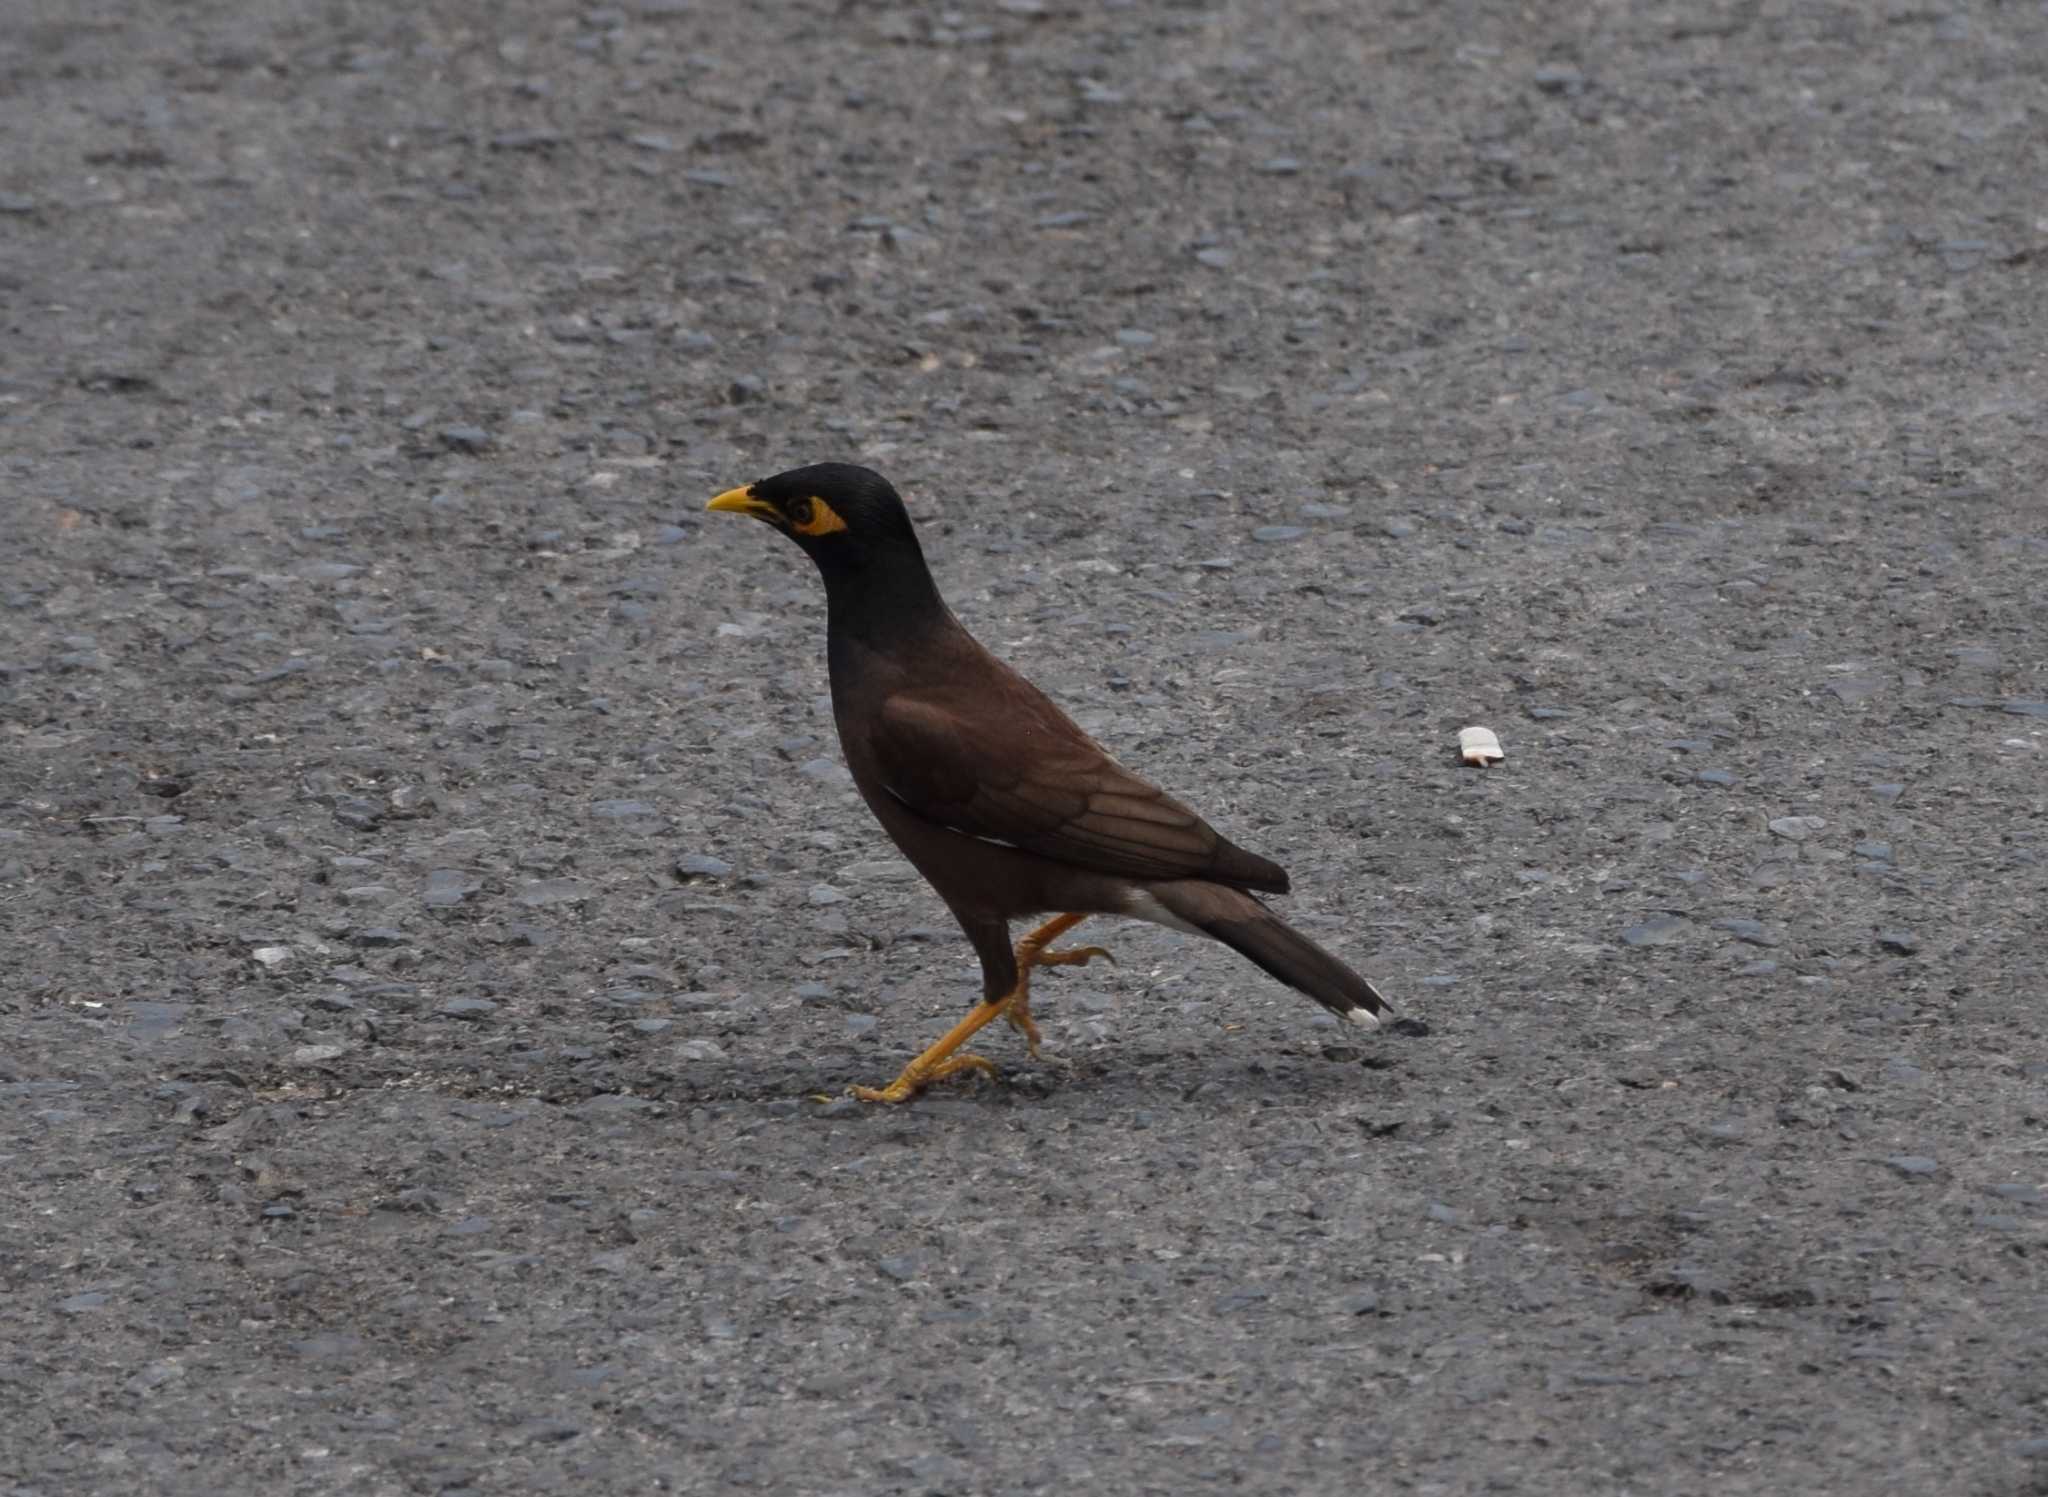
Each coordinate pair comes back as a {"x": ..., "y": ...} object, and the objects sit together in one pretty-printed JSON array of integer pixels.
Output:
[{"x": 1027, "y": 776}]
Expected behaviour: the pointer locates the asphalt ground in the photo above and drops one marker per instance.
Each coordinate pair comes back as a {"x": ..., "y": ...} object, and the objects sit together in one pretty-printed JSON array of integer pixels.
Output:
[{"x": 432, "y": 900}]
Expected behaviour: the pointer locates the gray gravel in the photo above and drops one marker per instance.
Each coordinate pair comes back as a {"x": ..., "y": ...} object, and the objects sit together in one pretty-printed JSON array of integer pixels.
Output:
[{"x": 435, "y": 908}]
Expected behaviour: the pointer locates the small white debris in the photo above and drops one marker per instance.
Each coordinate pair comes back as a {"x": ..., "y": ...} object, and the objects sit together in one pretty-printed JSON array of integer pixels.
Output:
[
  {"x": 1479, "y": 746},
  {"x": 272, "y": 956}
]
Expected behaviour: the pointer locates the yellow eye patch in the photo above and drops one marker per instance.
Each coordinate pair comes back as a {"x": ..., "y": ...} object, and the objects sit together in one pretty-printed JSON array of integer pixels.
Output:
[{"x": 818, "y": 518}]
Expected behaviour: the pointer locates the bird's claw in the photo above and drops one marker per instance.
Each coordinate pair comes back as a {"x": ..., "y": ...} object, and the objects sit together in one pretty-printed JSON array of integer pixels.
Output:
[
  {"x": 1018, "y": 1015},
  {"x": 913, "y": 1081}
]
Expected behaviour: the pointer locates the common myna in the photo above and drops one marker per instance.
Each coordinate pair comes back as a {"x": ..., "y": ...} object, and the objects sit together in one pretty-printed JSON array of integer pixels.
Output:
[{"x": 1003, "y": 804}]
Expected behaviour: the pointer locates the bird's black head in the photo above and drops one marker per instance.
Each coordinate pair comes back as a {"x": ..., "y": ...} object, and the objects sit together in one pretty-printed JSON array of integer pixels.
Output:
[{"x": 848, "y": 519}]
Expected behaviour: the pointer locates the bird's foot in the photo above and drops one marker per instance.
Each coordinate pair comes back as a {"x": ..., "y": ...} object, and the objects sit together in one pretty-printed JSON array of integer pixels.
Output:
[
  {"x": 1017, "y": 1011},
  {"x": 1017, "y": 1007},
  {"x": 918, "y": 1075}
]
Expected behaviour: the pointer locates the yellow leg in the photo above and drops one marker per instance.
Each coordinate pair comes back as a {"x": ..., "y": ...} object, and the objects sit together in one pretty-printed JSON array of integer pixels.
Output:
[
  {"x": 940, "y": 1061},
  {"x": 1031, "y": 953}
]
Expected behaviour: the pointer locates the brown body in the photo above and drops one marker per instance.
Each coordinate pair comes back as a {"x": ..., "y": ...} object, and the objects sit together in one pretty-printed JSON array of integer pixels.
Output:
[
  {"x": 995, "y": 795},
  {"x": 1025, "y": 773}
]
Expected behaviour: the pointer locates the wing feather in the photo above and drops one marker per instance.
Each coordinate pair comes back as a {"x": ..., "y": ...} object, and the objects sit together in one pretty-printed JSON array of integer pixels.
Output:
[{"x": 1029, "y": 777}]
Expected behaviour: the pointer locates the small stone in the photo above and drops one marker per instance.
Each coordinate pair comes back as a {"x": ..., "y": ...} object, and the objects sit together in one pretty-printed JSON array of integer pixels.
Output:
[
  {"x": 1888, "y": 792},
  {"x": 313, "y": 1055},
  {"x": 1853, "y": 690},
  {"x": 551, "y": 891},
  {"x": 272, "y": 956},
  {"x": 78, "y": 1304},
  {"x": 1448, "y": 1215},
  {"x": 1244, "y": 1297},
  {"x": 1274, "y": 534},
  {"x": 471, "y": 1009},
  {"x": 901, "y": 1269},
  {"x": 701, "y": 865},
  {"x": 1912, "y": 1164},
  {"x": 1280, "y": 166},
  {"x": 881, "y": 870},
  {"x": 1877, "y": 852},
  {"x": 380, "y": 935},
  {"x": 814, "y": 995},
  {"x": 610, "y": 1104},
  {"x": 447, "y": 887},
  {"x": 1558, "y": 78},
  {"x": 829, "y": 771},
  {"x": 1658, "y": 930},
  {"x": 1797, "y": 828},
  {"x": 1214, "y": 258},
  {"x": 822, "y": 894},
  {"x": 470, "y": 439},
  {"x": 622, "y": 810},
  {"x": 526, "y": 140},
  {"x": 651, "y": 1026},
  {"x": 1364, "y": 1302},
  {"x": 369, "y": 894},
  {"x": 861, "y": 1024},
  {"x": 358, "y": 814},
  {"x": 1691, "y": 745},
  {"x": 1757, "y": 969},
  {"x": 2027, "y": 709},
  {"x": 1898, "y": 942},
  {"x": 700, "y": 1050},
  {"x": 1719, "y": 777},
  {"x": 1744, "y": 929}
]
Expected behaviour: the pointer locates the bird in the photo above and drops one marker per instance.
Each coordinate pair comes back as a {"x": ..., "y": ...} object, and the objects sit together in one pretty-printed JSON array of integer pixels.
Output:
[{"x": 1005, "y": 806}]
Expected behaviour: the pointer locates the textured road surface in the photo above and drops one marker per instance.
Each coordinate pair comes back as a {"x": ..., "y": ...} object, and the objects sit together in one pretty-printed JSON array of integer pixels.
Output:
[{"x": 384, "y": 1108}]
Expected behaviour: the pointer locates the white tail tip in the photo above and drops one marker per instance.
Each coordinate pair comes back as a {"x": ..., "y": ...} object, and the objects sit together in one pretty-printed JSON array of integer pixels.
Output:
[{"x": 1364, "y": 1018}]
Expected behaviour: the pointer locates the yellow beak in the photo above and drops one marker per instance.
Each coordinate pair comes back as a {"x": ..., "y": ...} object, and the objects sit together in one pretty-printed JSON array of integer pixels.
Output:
[{"x": 741, "y": 501}]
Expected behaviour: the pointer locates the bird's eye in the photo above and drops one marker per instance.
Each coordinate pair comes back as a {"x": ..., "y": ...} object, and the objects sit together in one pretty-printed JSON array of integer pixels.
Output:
[{"x": 800, "y": 513}]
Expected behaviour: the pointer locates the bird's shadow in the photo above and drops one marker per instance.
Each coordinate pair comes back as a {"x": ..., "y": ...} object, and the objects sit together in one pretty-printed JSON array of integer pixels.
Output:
[{"x": 1139, "y": 1079}]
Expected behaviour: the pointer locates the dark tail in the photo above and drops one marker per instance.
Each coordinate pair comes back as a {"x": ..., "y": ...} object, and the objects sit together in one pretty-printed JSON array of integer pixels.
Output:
[{"x": 1256, "y": 933}]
